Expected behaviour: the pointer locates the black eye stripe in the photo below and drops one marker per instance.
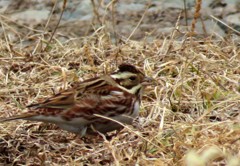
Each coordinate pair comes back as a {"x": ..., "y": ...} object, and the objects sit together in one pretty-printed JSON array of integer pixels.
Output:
[{"x": 132, "y": 78}]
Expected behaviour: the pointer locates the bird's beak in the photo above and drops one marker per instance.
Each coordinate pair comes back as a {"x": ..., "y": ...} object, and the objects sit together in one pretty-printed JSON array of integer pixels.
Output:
[{"x": 149, "y": 81}]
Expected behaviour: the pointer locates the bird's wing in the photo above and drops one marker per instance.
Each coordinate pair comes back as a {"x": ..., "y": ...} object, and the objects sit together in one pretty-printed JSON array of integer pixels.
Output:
[
  {"x": 107, "y": 101},
  {"x": 102, "y": 96},
  {"x": 64, "y": 99},
  {"x": 67, "y": 98},
  {"x": 95, "y": 96}
]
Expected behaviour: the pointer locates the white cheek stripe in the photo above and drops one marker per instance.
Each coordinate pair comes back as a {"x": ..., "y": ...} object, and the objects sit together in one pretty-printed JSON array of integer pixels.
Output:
[
  {"x": 133, "y": 90},
  {"x": 125, "y": 75},
  {"x": 122, "y": 75},
  {"x": 116, "y": 92}
]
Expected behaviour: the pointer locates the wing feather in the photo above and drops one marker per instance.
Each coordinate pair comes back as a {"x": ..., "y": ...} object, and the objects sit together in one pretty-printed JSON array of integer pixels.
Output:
[
  {"x": 66, "y": 99},
  {"x": 105, "y": 101}
]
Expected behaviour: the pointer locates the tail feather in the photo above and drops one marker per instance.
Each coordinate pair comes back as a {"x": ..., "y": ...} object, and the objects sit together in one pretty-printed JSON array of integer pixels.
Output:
[{"x": 22, "y": 116}]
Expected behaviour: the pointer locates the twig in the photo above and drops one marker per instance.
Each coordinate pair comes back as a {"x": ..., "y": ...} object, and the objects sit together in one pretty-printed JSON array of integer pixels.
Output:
[
  {"x": 55, "y": 29},
  {"x": 185, "y": 13},
  {"x": 223, "y": 23},
  {"x": 139, "y": 22},
  {"x": 196, "y": 15}
]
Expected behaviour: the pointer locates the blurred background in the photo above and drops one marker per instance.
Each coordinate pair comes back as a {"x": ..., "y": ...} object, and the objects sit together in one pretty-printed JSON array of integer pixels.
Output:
[{"x": 154, "y": 19}]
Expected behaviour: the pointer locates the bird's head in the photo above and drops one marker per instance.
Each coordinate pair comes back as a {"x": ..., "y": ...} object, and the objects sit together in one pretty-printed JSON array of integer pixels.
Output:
[{"x": 131, "y": 78}]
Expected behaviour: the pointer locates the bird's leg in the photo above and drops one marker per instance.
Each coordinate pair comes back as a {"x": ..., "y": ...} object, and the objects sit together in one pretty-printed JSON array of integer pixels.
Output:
[{"x": 98, "y": 133}]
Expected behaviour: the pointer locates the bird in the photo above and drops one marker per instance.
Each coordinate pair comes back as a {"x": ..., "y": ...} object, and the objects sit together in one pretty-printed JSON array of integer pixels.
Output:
[{"x": 94, "y": 105}]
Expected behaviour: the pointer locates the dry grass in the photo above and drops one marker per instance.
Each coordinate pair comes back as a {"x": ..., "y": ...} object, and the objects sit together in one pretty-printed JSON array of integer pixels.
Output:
[
  {"x": 191, "y": 116},
  {"x": 194, "y": 107}
]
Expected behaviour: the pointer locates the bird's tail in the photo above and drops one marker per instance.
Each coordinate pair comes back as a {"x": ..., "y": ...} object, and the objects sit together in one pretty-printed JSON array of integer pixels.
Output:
[{"x": 22, "y": 116}]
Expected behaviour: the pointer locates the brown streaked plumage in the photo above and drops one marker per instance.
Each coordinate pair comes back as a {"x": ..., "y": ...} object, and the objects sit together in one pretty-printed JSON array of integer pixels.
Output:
[{"x": 116, "y": 96}]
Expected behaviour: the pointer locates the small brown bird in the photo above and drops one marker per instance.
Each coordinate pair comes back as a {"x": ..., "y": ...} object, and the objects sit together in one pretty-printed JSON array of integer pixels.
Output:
[{"x": 82, "y": 108}]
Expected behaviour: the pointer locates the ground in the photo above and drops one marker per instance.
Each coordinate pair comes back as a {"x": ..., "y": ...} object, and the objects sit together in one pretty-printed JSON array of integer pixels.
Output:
[{"x": 191, "y": 117}]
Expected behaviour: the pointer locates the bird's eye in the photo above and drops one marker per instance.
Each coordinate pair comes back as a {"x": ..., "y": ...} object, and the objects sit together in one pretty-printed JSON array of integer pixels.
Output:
[{"x": 132, "y": 78}]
